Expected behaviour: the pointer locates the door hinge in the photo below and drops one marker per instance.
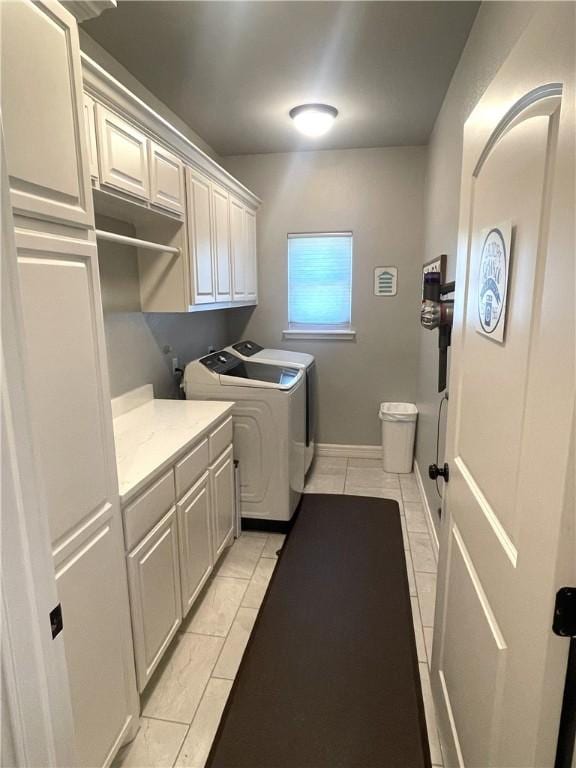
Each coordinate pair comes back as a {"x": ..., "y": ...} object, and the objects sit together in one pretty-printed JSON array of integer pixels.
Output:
[
  {"x": 564, "y": 623},
  {"x": 56, "y": 623}
]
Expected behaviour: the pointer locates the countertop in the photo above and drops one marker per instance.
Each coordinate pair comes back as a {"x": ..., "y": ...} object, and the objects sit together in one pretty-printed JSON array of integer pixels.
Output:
[{"x": 152, "y": 435}]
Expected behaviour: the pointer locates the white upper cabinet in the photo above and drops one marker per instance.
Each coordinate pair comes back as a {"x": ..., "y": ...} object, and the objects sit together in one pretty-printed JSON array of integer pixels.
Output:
[
  {"x": 123, "y": 154},
  {"x": 221, "y": 243},
  {"x": 90, "y": 129},
  {"x": 166, "y": 177},
  {"x": 237, "y": 249},
  {"x": 42, "y": 112},
  {"x": 250, "y": 255},
  {"x": 200, "y": 237}
]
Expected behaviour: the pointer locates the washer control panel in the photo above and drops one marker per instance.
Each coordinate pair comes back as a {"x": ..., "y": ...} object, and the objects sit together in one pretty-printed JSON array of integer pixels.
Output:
[
  {"x": 220, "y": 362},
  {"x": 247, "y": 348}
]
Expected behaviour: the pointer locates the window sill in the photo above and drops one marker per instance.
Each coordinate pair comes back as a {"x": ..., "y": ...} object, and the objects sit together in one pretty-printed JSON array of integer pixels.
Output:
[{"x": 317, "y": 333}]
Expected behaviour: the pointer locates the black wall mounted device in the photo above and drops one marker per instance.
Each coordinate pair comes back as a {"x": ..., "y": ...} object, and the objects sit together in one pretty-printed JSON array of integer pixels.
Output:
[{"x": 437, "y": 312}]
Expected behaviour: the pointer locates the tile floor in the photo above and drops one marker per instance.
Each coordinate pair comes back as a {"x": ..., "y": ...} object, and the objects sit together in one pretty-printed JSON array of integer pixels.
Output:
[{"x": 183, "y": 703}]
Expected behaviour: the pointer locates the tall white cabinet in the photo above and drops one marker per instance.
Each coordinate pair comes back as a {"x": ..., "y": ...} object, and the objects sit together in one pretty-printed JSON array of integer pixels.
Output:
[{"x": 49, "y": 172}]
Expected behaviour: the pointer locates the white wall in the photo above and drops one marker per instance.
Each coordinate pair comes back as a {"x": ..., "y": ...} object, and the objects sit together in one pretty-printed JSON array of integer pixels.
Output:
[
  {"x": 378, "y": 194},
  {"x": 496, "y": 29}
]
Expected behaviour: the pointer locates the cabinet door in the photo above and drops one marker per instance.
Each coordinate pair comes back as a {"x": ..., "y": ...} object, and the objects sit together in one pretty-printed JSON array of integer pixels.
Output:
[
  {"x": 251, "y": 259},
  {"x": 223, "y": 511},
  {"x": 73, "y": 442},
  {"x": 123, "y": 154},
  {"x": 200, "y": 238},
  {"x": 195, "y": 540},
  {"x": 154, "y": 578},
  {"x": 90, "y": 130},
  {"x": 237, "y": 250},
  {"x": 41, "y": 105},
  {"x": 221, "y": 244},
  {"x": 167, "y": 188}
]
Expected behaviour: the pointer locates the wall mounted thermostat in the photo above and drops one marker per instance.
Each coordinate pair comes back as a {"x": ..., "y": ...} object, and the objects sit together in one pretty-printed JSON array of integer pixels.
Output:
[{"x": 386, "y": 281}]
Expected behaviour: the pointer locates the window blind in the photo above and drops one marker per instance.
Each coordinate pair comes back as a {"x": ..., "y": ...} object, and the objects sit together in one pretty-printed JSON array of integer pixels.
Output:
[{"x": 320, "y": 280}]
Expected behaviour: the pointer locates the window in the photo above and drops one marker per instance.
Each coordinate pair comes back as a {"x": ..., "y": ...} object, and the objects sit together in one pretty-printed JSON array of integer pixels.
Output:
[{"x": 320, "y": 285}]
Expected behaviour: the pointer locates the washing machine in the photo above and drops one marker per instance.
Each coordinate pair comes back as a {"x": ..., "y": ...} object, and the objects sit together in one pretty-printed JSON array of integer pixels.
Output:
[
  {"x": 269, "y": 419},
  {"x": 249, "y": 350}
]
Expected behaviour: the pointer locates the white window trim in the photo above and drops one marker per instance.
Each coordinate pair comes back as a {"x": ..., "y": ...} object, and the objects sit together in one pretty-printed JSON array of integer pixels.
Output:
[
  {"x": 343, "y": 334},
  {"x": 334, "y": 333}
]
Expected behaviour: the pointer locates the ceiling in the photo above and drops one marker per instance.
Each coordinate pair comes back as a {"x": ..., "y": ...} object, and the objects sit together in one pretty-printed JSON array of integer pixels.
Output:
[{"x": 233, "y": 70}]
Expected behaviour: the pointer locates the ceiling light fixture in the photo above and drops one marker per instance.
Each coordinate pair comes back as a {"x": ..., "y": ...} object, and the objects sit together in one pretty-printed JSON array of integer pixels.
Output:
[{"x": 313, "y": 119}]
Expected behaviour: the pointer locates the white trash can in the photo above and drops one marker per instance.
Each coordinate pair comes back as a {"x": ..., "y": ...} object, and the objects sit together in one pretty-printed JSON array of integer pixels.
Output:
[{"x": 398, "y": 430}]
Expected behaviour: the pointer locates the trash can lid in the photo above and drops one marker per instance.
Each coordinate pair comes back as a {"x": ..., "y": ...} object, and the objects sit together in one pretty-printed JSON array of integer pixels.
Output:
[{"x": 398, "y": 412}]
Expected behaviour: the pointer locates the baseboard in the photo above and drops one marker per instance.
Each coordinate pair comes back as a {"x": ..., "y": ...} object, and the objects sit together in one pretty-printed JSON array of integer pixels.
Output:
[
  {"x": 429, "y": 515},
  {"x": 349, "y": 451}
]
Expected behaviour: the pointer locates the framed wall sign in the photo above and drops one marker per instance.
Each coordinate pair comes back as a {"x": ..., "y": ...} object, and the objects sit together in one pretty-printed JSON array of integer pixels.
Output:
[
  {"x": 492, "y": 284},
  {"x": 386, "y": 281},
  {"x": 436, "y": 265}
]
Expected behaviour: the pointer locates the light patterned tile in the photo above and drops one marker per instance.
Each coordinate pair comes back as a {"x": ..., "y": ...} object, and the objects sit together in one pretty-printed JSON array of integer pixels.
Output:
[
  {"x": 415, "y": 517},
  {"x": 410, "y": 490},
  {"x": 205, "y": 724},
  {"x": 254, "y": 534},
  {"x": 417, "y": 622},
  {"x": 405, "y": 535},
  {"x": 235, "y": 645},
  {"x": 379, "y": 493},
  {"x": 216, "y": 609},
  {"x": 422, "y": 552},
  {"x": 329, "y": 465},
  {"x": 259, "y": 583},
  {"x": 410, "y": 571},
  {"x": 433, "y": 739},
  {"x": 240, "y": 560},
  {"x": 428, "y": 635},
  {"x": 274, "y": 542},
  {"x": 426, "y": 587},
  {"x": 155, "y": 746},
  {"x": 372, "y": 478},
  {"x": 366, "y": 464},
  {"x": 179, "y": 682},
  {"x": 325, "y": 484}
]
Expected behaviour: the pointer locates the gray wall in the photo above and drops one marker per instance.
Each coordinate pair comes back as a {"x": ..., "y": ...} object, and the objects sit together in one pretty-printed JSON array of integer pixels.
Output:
[
  {"x": 496, "y": 29},
  {"x": 141, "y": 346},
  {"x": 378, "y": 194}
]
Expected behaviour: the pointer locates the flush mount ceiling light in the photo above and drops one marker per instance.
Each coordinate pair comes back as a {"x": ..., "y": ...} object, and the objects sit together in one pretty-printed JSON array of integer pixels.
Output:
[{"x": 313, "y": 119}]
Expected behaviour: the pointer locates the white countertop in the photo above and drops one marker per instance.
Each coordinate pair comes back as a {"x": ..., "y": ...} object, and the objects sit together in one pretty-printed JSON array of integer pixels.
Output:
[{"x": 153, "y": 433}]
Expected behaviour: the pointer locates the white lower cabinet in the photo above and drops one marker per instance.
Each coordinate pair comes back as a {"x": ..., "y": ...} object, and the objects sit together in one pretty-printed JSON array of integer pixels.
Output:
[
  {"x": 174, "y": 541},
  {"x": 154, "y": 578},
  {"x": 222, "y": 477},
  {"x": 194, "y": 512}
]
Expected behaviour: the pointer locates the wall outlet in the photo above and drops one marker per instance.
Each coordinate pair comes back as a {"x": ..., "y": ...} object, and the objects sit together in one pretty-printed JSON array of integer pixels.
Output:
[{"x": 174, "y": 365}]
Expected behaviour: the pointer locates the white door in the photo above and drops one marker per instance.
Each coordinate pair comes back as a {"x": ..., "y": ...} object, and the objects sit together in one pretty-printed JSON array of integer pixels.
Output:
[
  {"x": 497, "y": 667},
  {"x": 166, "y": 178},
  {"x": 123, "y": 154},
  {"x": 200, "y": 237},
  {"x": 221, "y": 245},
  {"x": 222, "y": 473},
  {"x": 251, "y": 255},
  {"x": 195, "y": 540},
  {"x": 73, "y": 444},
  {"x": 42, "y": 112},
  {"x": 237, "y": 250},
  {"x": 154, "y": 576}
]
